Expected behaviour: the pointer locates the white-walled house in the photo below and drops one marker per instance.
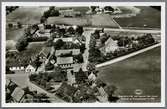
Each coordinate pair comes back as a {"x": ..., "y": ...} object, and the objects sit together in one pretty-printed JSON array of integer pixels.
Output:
[
  {"x": 30, "y": 69},
  {"x": 14, "y": 68}
]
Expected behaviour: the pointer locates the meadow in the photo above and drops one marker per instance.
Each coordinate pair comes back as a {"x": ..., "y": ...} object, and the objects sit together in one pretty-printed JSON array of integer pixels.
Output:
[{"x": 142, "y": 71}]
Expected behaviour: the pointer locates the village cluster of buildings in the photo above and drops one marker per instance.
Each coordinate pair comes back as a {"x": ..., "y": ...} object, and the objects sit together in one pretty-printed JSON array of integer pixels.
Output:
[
  {"x": 65, "y": 59},
  {"x": 15, "y": 93},
  {"x": 103, "y": 9}
]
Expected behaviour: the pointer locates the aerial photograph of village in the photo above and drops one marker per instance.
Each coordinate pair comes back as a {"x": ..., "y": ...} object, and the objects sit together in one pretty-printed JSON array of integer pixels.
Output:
[{"x": 83, "y": 54}]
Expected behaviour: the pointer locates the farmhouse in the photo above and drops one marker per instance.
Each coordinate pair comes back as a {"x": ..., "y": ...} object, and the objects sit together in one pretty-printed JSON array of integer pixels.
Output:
[
  {"x": 65, "y": 62},
  {"x": 69, "y": 13},
  {"x": 43, "y": 33},
  {"x": 15, "y": 64},
  {"x": 30, "y": 69},
  {"x": 74, "y": 52},
  {"x": 110, "y": 46}
]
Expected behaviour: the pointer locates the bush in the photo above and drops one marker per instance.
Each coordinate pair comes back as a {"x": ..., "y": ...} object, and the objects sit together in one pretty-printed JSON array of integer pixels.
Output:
[{"x": 22, "y": 43}]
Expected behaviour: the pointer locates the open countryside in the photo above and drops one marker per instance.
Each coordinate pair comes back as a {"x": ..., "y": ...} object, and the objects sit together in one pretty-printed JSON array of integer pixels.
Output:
[{"x": 139, "y": 72}]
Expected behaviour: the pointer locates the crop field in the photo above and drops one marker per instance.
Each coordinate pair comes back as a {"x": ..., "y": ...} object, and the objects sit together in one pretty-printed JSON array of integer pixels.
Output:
[
  {"x": 139, "y": 72},
  {"x": 81, "y": 9},
  {"x": 147, "y": 18},
  {"x": 102, "y": 20},
  {"x": 26, "y": 15},
  {"x": 82, "y": 21}
]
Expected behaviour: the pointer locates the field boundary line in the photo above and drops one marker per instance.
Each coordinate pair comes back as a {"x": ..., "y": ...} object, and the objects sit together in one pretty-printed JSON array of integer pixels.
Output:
[
  {"x": 116, "y": 23},
  {"x": 127, "y": 56}
]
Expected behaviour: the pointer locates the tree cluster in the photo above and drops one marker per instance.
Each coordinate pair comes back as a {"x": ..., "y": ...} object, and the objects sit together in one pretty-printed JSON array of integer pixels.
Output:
[{"x": 51, "y": 12}]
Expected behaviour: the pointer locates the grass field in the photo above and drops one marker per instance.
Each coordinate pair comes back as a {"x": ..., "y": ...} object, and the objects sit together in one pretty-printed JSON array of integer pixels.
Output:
[
  {"x": 138, "y": 72},
  {"x": 148, "y": 16},
  {"x": 82, "y": 21},
  {"x": 14, "y": 34},
  {"x": 81, "y": 9},
  {"x": 26, "y": 15},
  {"x": 102, "y": 20}
]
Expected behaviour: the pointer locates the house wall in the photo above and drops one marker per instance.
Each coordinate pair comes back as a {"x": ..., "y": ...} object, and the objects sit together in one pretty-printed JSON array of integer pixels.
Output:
[
  {"x": 16, "y": 68},
  {"x": 30, "y": 70}
]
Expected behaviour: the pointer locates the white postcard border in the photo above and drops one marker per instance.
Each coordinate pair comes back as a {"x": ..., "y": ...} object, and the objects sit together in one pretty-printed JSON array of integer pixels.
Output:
[{"x": 3, "y": 46}]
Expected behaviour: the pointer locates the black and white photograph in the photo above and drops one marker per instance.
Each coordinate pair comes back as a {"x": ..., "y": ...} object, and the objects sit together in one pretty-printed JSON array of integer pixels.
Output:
[{"x": 86, "y": 54}]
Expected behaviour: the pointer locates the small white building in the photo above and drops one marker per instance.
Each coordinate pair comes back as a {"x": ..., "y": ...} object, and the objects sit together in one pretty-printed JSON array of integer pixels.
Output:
[
  {"x": 110, "y": 46},
  {"x": 30, "y": 69},
  {"x": 15, "y": 68}
]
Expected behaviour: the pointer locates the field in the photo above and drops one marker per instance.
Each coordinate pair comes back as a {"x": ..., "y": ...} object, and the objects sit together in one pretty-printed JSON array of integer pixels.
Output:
[
  {"x": 14, "y": 34},
  {"x": 138, "y": 72},
  {"x": 102, "y": 20},
  {"x": 26, "y": 15},
  {"x": 148, "y": 17},
  {"x": 81, "y": 9},
  {"x": 82, "y": 21}
]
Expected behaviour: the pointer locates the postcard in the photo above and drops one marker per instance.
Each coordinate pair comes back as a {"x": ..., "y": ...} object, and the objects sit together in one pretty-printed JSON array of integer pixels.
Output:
[{"x": 89, "y": 54}]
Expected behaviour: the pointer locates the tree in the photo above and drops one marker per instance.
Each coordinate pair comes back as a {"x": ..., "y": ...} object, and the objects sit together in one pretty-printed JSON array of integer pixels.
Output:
[
  {"x": 92, "y": 41},
  {"x": 109, "y": 8},
  {"x": 10, "y": 25},
  {"x": 8, "y": 71},
  {"x": 27, "y": 90},
  {"x": 93, "y": 8},
  {"x": 79, "y": 58},
  {"x": 58, "y": 44},
  {"x": 96, "y": 34},
  {"x": 51, "y": 12},
  {"x": 79, "y": 30},
  {"x": 43, "y": 19},
  {"x": 19, "y": 25},
  {"x": 49, "y": 66},
  {"x": 27, "y": 31},
  {"x": 54, "y": 13},
  {"x": 37, "y": 62},
  {"x": 49, "y": 42},
  {"x": 82, "y": 48},
  {"x": 46, "y": 14},
  {"x": 58, "y": 74},
  {"x": 80, "y": 76},
  {"x": 100, "y": 83},
  {"x": 22, "y": 43},
  {"x": 71, "y": 30},
  {"x": 110, "y": 89},
  {"x": 149, "y": 39},
  {"x": 90, "y": 67},
  {"x": 41, "y": 98},
  {"x": 104, "y": 38},
  {"x": 51, "y": 8}
]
